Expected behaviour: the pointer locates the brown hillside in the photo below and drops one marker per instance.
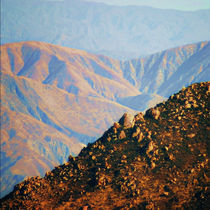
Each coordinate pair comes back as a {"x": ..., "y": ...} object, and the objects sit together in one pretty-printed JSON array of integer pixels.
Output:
[{"x": 156, "y": 160}]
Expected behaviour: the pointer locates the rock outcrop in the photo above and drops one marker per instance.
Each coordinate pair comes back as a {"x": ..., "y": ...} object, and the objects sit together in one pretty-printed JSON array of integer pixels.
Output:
[
  {"x": 127, "y": 120},
  {"x": 153, "y": 113}
]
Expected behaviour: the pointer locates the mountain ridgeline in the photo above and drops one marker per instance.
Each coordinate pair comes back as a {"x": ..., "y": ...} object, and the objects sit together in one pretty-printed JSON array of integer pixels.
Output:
[
  {"x": 55, "y": 100},
  {"x": 119, "y": 32},
  {"x": 148, "y": 161}
]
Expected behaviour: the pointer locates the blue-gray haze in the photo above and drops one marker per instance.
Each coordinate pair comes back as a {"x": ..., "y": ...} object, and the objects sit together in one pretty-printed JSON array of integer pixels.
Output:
[{"x": 121, "y": 32}]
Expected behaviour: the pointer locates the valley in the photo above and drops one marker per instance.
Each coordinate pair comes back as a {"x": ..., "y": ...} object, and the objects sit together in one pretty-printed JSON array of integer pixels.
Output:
[{"x": 55, "y": 100}]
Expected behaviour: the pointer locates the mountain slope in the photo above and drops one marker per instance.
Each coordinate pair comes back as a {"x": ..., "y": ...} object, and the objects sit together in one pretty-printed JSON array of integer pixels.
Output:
[
  {"x": 74, "y": 71},
  {"x": 154, "y": 73},
  {"x": 123, "y": 32},
  {"x": 50, "y": 106},
  {"x": 76, "y": 96},
  {"x": 164, "y": 73},
  {"x": 156, "y": 160}
]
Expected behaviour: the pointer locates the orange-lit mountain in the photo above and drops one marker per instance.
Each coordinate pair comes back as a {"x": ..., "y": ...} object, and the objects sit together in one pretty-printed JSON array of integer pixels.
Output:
[
  {"x": 53, "y": 99},
  {"x": 56, "y": 99},
  {"x": 156, "y": 160}
]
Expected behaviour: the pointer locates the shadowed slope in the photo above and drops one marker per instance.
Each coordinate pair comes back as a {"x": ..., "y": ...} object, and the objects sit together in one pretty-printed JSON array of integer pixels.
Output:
[
  {"x": 160, "y": 75},
  {"x": 166, "y": 72}
]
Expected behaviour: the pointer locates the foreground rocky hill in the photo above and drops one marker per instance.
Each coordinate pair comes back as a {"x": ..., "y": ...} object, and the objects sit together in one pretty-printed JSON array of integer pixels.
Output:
[
  {"x": 57, "y": 99},
  {"x": 156, "y": 160}
]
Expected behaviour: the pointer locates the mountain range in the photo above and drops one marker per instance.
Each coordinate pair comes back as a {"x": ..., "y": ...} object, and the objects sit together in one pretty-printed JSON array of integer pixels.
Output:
[
  {"x": 156, "y": 160},
  {"x": 121, "y": 32},
  {"x": 55, "y": 100}
]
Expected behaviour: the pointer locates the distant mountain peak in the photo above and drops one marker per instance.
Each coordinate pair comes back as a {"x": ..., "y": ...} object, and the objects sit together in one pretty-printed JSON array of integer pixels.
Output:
[{"x": 122, "y": 32}]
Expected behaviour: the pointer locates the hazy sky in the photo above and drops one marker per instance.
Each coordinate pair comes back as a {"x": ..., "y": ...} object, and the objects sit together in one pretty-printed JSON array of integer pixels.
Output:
[{"x": 165, "y": 4}]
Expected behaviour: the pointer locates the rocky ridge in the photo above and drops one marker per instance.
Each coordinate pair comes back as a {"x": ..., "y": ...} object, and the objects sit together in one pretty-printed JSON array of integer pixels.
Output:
[{"x": 156, "y": 160}]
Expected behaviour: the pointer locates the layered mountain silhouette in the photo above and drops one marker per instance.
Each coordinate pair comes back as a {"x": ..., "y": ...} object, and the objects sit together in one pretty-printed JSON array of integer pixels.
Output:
[
  {"x": 148, "y": 161},
  {"x": 121, "y": 32},
  {"x": 166, "y": 72},
  {"x": 55, "y": 100}
]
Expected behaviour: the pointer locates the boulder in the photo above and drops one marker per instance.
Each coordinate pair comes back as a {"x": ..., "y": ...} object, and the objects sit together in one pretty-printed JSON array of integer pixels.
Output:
[
  {"x": 139, "y": 116},
  {"x": 136, "y": 133},
  {"x": 122, "y": 135},
  {"x": 150, "y": 146},
  {"x": 116, "y": 125},
  {"x": 153, "y": 113},
  {"x": 140, "y": 137},
  {"x": 188, "y": 106},
  {"x": 127, "y": 120}
]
